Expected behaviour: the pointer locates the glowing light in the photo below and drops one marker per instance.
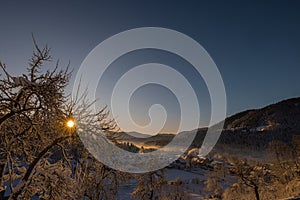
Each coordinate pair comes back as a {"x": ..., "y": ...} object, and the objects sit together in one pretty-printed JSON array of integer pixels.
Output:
[{"x": 70, "y": 123}]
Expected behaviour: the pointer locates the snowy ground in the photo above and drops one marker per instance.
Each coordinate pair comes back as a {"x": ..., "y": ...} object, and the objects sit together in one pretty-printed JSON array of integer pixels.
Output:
[{"x": 193, "y": 182}]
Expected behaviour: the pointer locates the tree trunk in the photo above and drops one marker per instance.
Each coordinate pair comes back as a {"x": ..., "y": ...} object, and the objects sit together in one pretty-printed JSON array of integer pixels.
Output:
[
  {"x": 256, "y": 193},
  {"x": 34, "y": 163},
  {"x": 2, "y": 170}
]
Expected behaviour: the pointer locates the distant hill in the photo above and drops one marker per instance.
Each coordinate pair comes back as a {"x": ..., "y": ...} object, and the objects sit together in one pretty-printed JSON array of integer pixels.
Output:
[
  {"x": 251, "y": 128},
  {"x": 138, "y": 135},
  {"x": 256, "y": 128},
  {"x": 158, "y": 140},
  {"x": 284, "y": 115}
]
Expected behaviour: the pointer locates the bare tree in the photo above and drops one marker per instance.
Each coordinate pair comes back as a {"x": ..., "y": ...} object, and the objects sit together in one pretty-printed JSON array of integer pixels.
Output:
[
  {"x": 31, "y": 120},
  {"x": 39, "y": 155},
  {"x": 36, "y": 155},
  {"x": 257, "y": 176},
  {"x": 215, "y": 180},
  {"x": 150, "y": 185}
]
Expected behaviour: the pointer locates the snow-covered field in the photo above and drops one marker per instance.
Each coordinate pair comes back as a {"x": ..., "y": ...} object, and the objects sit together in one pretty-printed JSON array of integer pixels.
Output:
[{"x": 192, "y": 180}]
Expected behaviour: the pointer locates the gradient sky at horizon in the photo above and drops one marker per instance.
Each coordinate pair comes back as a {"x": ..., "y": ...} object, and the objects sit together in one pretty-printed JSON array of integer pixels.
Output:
[{"x": 255, "y": 44}]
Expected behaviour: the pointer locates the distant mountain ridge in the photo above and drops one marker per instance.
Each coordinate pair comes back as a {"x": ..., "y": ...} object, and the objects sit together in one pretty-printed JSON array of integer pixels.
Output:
[
  {"x": 257, "y": 127},
  {"x": 284, "y": 115}
]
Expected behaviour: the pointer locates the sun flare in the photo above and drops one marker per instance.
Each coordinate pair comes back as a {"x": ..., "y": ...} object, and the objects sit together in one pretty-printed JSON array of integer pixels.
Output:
[{"x": 70, "y": 123}]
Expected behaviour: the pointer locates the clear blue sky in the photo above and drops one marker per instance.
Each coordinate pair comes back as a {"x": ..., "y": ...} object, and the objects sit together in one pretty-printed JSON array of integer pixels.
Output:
[{"x": 255, "y": 44}]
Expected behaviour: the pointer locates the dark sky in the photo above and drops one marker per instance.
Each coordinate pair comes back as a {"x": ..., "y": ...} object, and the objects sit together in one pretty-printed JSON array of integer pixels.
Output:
[{"x": 255, "y": 44}]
